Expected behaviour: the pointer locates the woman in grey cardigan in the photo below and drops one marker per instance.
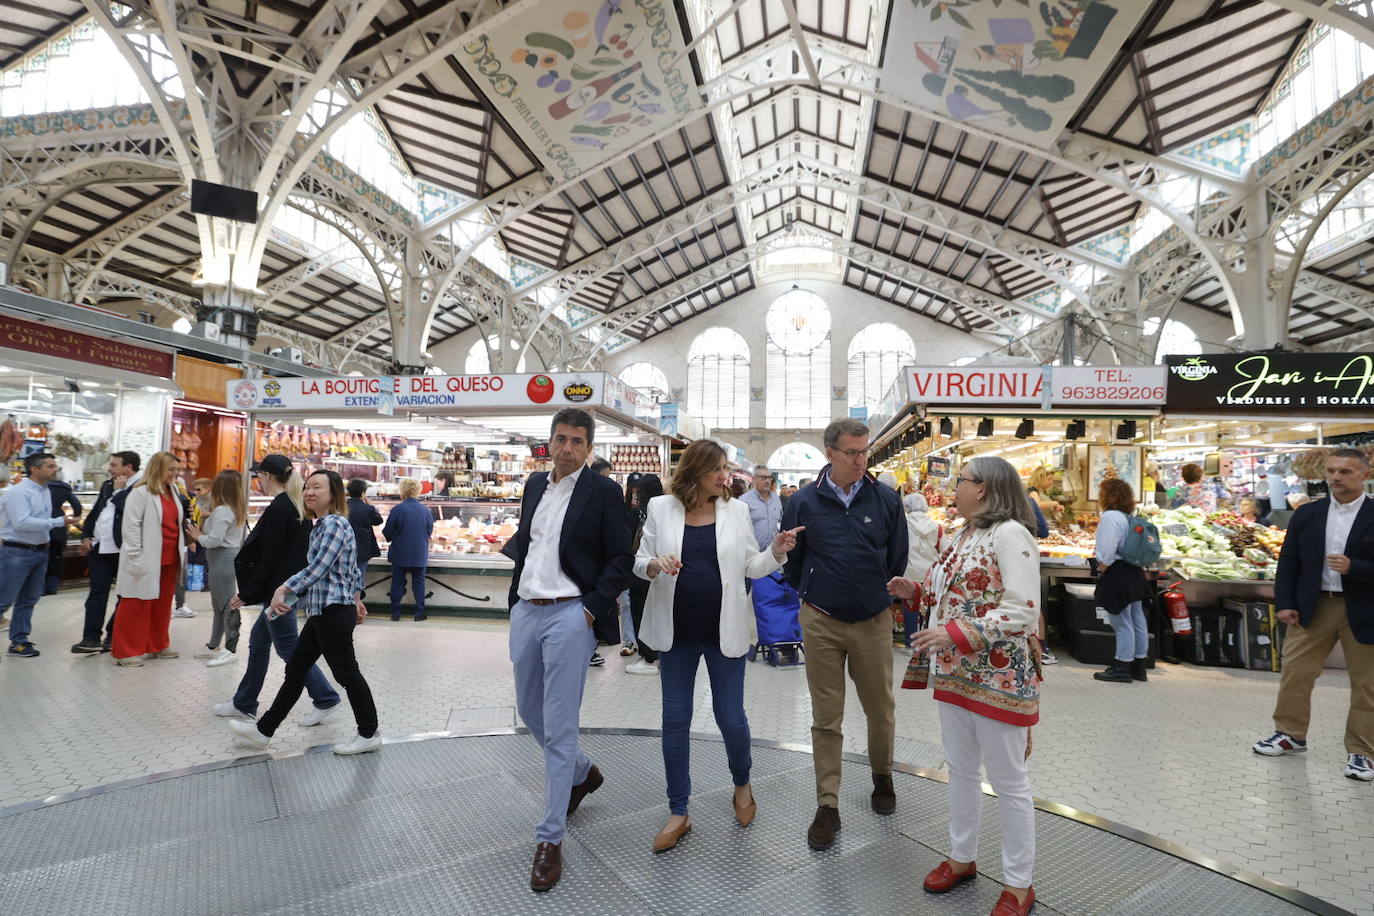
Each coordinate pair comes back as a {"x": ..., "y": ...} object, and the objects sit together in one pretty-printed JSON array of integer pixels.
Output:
[{"x": 222, "y": 536}]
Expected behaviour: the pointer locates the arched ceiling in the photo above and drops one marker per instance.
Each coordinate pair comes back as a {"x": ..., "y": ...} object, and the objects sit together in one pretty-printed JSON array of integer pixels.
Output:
[{"x": 953, "y": 221}]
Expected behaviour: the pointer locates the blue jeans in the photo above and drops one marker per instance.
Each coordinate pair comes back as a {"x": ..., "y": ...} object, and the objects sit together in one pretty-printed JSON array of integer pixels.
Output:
[
  {"x": 627, "y": 623},
  {"x": 398, "y": 588},
  {"x": 677, "y": 670},
  {"x": 281, "y": 635},
  {"x": 549, "y": 648},
  {"x": 1132, "y": 636},
  {"x": 22, "y": 573}
]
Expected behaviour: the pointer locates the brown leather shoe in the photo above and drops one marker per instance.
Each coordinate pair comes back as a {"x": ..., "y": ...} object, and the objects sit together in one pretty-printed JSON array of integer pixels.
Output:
[
  {"x": 548, "y": 867},
  {"x": 584, "y": 788},
  {"x": 669, "y": 838},
  {"x": 884, "y": 798},
  {"x": 821, "y": 834},
  {"x": 744, "y": 814}
]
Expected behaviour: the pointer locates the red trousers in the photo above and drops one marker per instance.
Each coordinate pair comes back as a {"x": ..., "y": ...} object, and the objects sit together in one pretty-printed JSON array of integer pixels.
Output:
[{"x": 143, "y": 627}]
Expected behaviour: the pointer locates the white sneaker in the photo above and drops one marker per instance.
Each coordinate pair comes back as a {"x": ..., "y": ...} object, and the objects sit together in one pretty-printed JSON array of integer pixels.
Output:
[
  {"x": 222, "y": 657},
  {"x": 358, "y": 745},
  {"x": 641, "y": 667},
  {"x": 1360, "y": 767},
  {"x": 1278, "y": 744},
  {"x": 230, "y": 711},
  {"x": 1048, "y": 658},
  {"x": 247, "y": 733},
  {"x": 183, "y": 611},
  {"x": 316, "y": 715},
  {"x": 207, "y": 653}
]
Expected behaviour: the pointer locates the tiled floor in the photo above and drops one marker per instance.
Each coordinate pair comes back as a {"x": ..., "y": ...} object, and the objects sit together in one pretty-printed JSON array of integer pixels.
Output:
[{"x": 1170, "y": 757}]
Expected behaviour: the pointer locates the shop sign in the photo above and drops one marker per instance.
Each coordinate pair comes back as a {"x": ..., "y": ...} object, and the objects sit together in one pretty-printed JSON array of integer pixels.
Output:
[
  {"x": 983, "y": 385},
  {"x": 414, "y": 392},
  {"x": 1125, "y": 386},
  {"x": 1268, "y": 381},
  {"x": 18, "y": 334}
]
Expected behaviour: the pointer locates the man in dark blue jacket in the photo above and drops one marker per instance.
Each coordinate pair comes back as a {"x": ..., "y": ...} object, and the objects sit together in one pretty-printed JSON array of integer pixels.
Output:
[
  {"x": 572, "y": 561},
  {"x": 100, "y": 538},
  {"x": 854, "y": 541},
  {"x": 409, "y": 526},
  {"x": 1324, "y": 591}
]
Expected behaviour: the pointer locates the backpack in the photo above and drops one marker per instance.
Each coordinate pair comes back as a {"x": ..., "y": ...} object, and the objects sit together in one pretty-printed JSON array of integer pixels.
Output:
[{"x": 1141, "y": 546}]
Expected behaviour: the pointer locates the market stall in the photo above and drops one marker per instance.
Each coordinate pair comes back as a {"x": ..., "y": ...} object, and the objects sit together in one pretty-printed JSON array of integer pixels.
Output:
[
  {"x": 206, "y": 435},
  {"x": 79, "y": 397},
  {"x": 489, "y": 431}
]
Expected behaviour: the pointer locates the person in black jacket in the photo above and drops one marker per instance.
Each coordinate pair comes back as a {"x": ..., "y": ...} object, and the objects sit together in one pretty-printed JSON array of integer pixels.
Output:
[
  {"x": 646, "y": 488},
  {"x": 572, "y": 561},
  {"x": 364, "y": 517},
  {"x": 100, "y": 540},
  {"x": 854, "y": 542},
  {"x": 62, "y": 494},
  {"x": 274, "y": 551}
]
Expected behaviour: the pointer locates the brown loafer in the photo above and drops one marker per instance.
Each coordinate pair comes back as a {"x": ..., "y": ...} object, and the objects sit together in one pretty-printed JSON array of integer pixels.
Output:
[
  {"x": 669, "y": 838},
  {"x": 584, "y": 788},
  {"x": 744, "y": 814},
  {"x": 548, "y": 867},
  {"x": 884, "y": 797},
  {"x": 820, "y": 836}
]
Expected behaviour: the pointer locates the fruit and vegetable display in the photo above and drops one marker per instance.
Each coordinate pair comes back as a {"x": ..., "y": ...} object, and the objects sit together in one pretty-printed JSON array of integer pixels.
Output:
[{"x": 1202, "y": 548}]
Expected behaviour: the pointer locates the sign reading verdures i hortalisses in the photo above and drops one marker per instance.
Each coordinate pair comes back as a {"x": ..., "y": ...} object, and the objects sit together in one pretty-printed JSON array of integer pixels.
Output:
[{"x": 1270, "y": 381}]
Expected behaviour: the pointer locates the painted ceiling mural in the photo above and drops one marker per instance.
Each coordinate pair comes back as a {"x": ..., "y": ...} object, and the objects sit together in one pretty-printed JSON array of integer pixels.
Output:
[
  {"x": 581, "y": 80},
  {"x": 1020, "y": 68}
]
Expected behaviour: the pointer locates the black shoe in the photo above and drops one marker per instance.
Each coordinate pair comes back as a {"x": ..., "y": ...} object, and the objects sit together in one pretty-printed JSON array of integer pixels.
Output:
[
  {"x": 1118, "y": 673},
  {"x": 884, "y": 798},
  {"x": 1138, "y": 670},
  {"x": 87, "y": 647},
  {"x": 596, "y": 660},
  {"x": 820, "y": 836},
  {"x": 105, "y": 645},
  {"x": 396, "y": 617},
  {"x": 24, "y": 650},
  {"x": 419, "y": 617}
]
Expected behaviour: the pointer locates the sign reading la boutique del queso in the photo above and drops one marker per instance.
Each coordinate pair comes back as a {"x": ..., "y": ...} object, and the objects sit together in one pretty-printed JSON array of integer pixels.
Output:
[
  {"x": 418, "y": 392},
  {"x": 1271, "y": 381}
]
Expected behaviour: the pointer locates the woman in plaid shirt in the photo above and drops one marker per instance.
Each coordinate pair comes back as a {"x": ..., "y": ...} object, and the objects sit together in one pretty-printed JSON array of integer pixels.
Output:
[{"x": 329, "y": 589}]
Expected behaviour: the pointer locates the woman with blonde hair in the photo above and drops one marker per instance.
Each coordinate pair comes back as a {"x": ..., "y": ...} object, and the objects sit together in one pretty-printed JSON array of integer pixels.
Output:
[
  {"x": 697, "y": 550},
  {"x": 150, "y": 558},
  {"x": 226, "y": 525},
  {"x": 329, "y": 590},
  {"x": 982, "y": 598}
]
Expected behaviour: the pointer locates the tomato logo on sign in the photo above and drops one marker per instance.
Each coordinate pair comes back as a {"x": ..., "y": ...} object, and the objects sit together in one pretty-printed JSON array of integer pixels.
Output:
[{"x": 540, "y": 389}]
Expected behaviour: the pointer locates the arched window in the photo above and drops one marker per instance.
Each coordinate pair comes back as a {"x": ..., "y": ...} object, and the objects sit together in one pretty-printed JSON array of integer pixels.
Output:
[
  {"x": 796, "y": 460},
  {"x": 1177, "y": 339},
  {"x": 718, "y": 379},
  {"x": 798, "y": 324},
  {"x": 478, "y": 360},
  {"x": 876, "y": 357},
  {"x": 647, "y": 379}
]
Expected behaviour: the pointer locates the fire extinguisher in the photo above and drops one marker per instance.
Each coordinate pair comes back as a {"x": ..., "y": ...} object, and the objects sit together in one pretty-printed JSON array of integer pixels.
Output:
[{"x": 1176, "y": 607}]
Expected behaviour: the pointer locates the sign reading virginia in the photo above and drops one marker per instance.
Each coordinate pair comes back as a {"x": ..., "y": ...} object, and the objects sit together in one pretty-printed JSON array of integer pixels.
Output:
[
  {"x": 1014, "y": 67},
  {"x": 583, "y": 80}
]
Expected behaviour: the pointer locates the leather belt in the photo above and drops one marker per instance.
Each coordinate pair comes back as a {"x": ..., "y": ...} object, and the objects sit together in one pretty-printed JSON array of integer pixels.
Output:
[
  {"x": 1330, "y": 594},
  {"x": 25, "y": 546},
  {"x": 545, "y": 602}
]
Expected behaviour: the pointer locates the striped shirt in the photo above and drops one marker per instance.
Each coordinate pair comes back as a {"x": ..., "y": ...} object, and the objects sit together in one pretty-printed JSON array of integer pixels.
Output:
[{"x": 331, "y": 572}]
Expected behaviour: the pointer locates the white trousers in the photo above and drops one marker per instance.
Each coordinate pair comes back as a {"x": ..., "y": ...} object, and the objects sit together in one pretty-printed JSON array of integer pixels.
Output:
[{"x": 971, "y": 740}]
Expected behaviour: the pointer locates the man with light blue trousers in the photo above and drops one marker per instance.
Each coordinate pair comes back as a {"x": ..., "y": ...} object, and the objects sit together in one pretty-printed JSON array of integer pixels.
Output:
[{"x": 572, "y": 560}]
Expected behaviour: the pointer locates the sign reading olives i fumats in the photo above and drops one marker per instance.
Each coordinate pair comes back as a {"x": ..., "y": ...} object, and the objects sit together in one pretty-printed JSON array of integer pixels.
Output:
[
  {"x": 419, "y": 392},
  {"x": 1271, "y": 381}
]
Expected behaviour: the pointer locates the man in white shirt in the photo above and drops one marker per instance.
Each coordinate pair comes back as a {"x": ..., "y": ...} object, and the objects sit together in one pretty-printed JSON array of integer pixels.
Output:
[
  {"x": 572, "y": 561},
  {"x": 26, "y": 526},
  {"x": 1323, "y": 592},
  {"x": 102, "y": 551}
]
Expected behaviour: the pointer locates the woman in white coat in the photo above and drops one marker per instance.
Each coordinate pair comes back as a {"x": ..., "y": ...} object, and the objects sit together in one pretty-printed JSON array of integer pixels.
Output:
[
  {"x": 697, "y": 551},
  {"x": 150, "y": 557}
]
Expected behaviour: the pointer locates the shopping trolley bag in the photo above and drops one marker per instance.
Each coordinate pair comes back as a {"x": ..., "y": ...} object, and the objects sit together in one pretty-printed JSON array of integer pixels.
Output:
[{"x": 777, "y": 611}]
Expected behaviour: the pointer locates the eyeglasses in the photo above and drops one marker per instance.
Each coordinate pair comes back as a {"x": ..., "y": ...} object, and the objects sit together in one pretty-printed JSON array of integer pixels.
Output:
[
  {"x": 959, "y": 480},
  {"x": 854, "y": 454}
]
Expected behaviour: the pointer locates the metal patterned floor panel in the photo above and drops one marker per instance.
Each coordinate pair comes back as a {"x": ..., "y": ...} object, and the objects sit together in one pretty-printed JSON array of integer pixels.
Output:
[{"x": 446, "y": 826}]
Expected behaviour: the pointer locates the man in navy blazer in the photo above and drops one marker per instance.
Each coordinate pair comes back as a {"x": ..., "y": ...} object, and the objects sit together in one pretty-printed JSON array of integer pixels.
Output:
[
  {"x": 1324, "y": 591},
  {"x": 572, "y": 561}
]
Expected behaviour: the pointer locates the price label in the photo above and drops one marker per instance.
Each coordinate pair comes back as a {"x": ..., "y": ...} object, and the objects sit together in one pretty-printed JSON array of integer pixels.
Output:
[
  {"x": 1224, "y": 532},
  {"x": 1177, "y": 530}
]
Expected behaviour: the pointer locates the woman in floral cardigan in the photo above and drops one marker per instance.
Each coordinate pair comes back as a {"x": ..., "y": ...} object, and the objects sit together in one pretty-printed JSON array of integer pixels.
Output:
[{"x": 981, "y": 598}]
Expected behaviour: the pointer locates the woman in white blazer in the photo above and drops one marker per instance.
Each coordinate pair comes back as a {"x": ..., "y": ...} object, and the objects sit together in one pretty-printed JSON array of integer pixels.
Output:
[
  {"x": 697, "y": 550},
  {"x": 150, "y": 556}
]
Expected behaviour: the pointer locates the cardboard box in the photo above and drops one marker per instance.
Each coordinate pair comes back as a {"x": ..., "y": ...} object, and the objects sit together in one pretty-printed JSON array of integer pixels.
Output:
[{"x": 1217, "y": 637}]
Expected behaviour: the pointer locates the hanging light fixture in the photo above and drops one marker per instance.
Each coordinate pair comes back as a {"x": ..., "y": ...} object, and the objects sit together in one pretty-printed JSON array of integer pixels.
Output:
[
  {"x": 985, "y": 427},
  {"x": 1025, "y": 428},
  {"x": 1126, "y": 430},
  {"x": 947, "y": 427}
]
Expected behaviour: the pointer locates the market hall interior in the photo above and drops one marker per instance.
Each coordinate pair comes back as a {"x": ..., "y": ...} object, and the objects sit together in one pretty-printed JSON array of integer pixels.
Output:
[{"x": 1112, "y": 244}]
